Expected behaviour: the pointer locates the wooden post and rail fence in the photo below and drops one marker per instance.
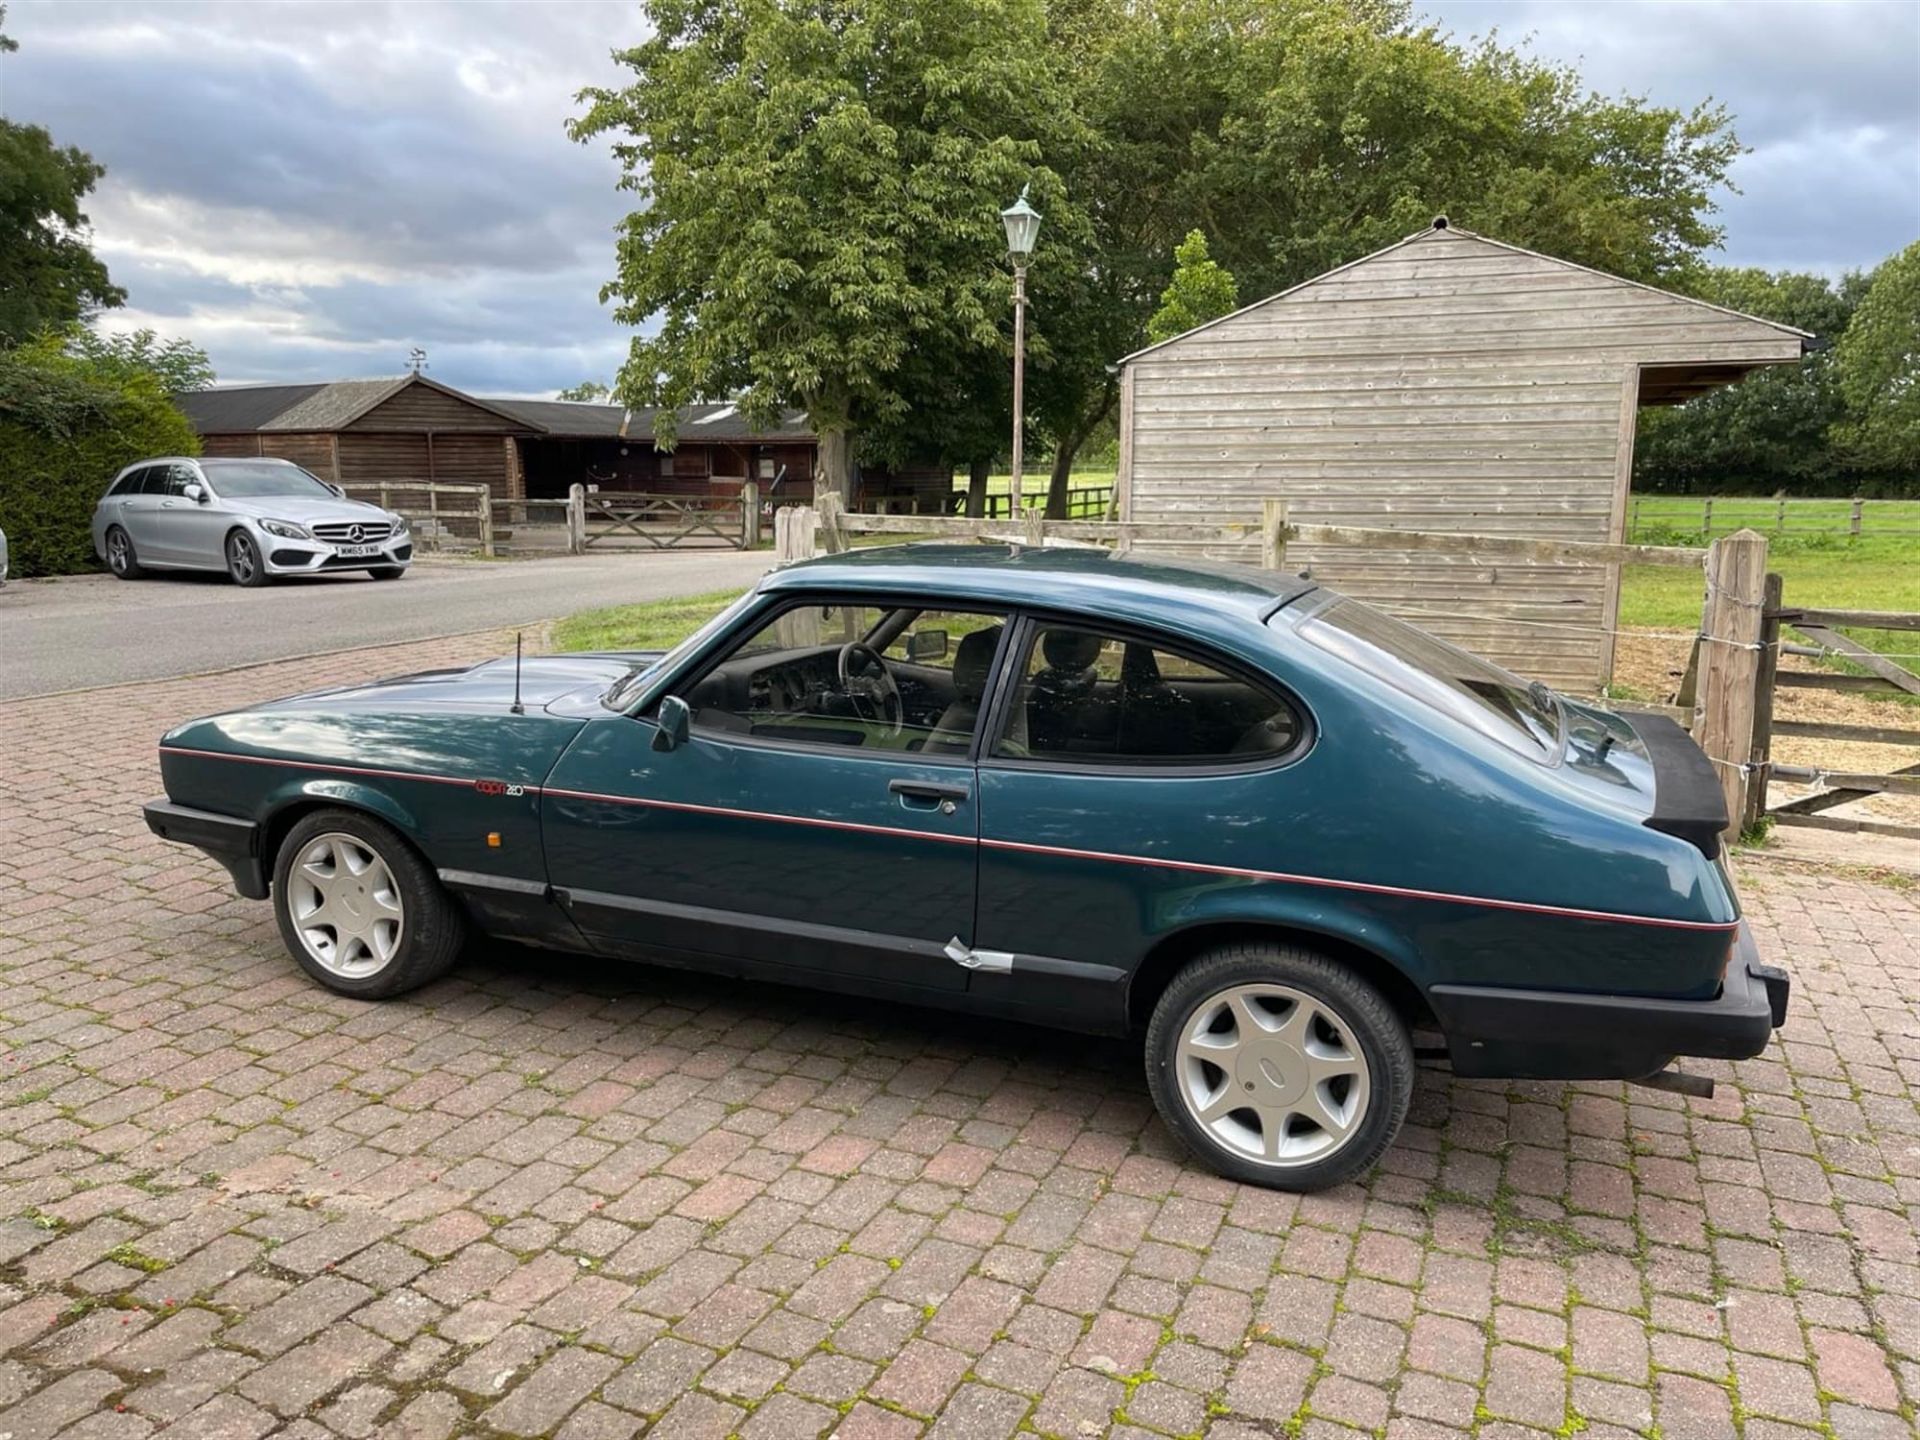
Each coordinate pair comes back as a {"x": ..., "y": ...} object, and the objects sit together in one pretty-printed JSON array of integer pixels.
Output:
[{"x": 435, "y": 511}]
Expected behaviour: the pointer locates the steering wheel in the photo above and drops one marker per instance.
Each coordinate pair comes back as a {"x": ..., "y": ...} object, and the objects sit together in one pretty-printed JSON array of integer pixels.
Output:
[{"x": 864, "y": 676}]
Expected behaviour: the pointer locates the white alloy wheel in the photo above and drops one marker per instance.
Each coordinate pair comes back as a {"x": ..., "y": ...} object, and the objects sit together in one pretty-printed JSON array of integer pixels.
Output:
[
  {"x": 1273, "y": 1075},
  {"x": 344, "y": 906}
]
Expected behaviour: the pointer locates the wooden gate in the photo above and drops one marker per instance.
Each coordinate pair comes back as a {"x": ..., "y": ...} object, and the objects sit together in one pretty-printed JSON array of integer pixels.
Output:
[
  {"x": 1822, "y": 639},
  {"x": 663, "y": 522}
]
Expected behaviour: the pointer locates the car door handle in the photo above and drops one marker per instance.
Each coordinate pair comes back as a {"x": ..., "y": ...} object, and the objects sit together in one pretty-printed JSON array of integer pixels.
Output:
[{"x": 927, "y": 790}]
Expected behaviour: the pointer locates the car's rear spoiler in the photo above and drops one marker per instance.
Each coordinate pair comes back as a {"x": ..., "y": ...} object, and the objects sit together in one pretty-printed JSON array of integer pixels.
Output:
[{"x": 1687, "y": 799}]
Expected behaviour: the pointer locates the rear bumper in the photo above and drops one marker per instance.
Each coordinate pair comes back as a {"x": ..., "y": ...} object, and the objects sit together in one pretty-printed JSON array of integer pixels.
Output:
[
  {"x": 235, "y": 843},
  {"x": 1545, "y": 1034}
]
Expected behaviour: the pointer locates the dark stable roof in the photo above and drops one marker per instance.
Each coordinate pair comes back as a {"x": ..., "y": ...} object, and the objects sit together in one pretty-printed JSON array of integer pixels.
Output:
[
  {"x": 240, "y": 407},
  {"x": 333, "y": 404}
]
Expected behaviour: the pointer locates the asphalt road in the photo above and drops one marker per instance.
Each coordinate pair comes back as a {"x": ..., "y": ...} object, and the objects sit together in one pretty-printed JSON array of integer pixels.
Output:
[{"x": 94, "y": 630}]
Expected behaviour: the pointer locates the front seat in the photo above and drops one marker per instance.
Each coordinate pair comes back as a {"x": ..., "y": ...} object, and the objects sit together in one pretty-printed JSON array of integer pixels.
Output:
[
  {"x": 972, "y": 665},
  {"x": 1066, "y": 709}
]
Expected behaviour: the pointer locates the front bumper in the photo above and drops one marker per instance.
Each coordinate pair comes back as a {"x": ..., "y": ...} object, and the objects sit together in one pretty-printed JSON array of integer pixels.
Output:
[
  {"x": 235, "y": 843},
  {"x": 1558, "y": 1035},
  {"x": 315, "y": 557}
]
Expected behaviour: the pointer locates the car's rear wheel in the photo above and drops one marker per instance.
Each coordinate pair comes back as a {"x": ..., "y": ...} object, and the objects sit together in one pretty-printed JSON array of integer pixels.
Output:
[
  {"x": 121, "y": 559},
  {"x": 359, "y": 909},
  {"x": 388, "y": 572},
  {"x": 243, "y": 560},
  {"x": 1279, "y": 1066}
]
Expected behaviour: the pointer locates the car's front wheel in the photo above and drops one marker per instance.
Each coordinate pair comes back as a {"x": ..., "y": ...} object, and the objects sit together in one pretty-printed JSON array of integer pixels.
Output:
[
  {"x": 359, "y": 908},
  {"x": 120, "y": 557},
  {"x": 243, "y": 560},
  {"x": 1279, "y": 1066}
]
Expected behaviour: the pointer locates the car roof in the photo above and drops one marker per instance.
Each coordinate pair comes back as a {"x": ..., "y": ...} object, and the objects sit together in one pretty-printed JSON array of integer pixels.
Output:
[{"x": 1061, "y": 577}]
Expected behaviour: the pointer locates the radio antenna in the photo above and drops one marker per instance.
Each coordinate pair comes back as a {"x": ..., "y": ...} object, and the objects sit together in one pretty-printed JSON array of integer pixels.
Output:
[{"x": 518, "y": 708}]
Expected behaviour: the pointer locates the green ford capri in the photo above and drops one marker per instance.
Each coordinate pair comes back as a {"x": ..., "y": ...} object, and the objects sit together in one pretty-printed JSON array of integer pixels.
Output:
[{"x": 1272, "y": 830}]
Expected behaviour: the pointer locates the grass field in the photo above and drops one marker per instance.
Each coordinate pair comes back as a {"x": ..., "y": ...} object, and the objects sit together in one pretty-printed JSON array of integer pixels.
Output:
[{"x": 1656, "y": 517}]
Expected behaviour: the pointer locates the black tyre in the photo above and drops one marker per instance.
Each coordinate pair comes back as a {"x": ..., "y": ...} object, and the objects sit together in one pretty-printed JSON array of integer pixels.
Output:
[
  {"x": 359, "y": 909},
  {"x": 1278, "y": 1066},
  {"x": 244, "y": 564},
  {"x": 121, "y": 559},
  {"x": 388, "y": 572}
]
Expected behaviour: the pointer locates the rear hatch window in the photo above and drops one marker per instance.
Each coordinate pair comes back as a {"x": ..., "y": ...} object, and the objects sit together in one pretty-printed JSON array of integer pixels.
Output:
[{"x": 1524, "y": 716}]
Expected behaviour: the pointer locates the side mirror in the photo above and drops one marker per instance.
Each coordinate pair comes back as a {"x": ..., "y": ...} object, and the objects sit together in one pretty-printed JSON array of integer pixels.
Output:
[
  {"x": 338, "y": 493},
  {"x": 675, "y": 720},
  {"x": 927, "y": 647},
  {"x": 196, "y": 493}
]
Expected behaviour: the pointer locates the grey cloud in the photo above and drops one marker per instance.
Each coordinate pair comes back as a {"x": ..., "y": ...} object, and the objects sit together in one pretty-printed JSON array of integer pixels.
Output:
[{"x": 1826, "y": 95}]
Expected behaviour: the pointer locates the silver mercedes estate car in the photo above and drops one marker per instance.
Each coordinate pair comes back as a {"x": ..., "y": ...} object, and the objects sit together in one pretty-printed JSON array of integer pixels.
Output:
[{"x": 254, "y": 519}]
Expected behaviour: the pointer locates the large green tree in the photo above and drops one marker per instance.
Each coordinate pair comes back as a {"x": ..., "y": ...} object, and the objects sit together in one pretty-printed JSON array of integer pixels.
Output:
[
  {"x": 818, "y": 180},
  {"x": 1878, "y": 365},
  {"x": 49, "y": 275},
  {"x": 818, "y": 186},
  {"x": 178, "y": 365}
]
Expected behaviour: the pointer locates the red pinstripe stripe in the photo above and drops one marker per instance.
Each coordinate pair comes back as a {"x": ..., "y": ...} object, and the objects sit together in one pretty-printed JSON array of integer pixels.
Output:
[
  {"x": 1196, "y": 867},
  {"x": 468, "y": 782}
]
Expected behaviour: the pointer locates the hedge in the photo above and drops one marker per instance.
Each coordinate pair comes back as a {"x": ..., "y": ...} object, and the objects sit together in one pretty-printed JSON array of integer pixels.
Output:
[{"x": 65, "y": 429}]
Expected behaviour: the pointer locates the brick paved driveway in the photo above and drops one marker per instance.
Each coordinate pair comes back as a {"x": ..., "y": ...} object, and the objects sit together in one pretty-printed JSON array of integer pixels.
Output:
[{"x": 550, "y": 1196}]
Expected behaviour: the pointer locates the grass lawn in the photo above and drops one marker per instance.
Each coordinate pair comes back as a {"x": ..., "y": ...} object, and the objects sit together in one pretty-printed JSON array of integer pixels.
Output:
[{"x": 656, "y": 625}]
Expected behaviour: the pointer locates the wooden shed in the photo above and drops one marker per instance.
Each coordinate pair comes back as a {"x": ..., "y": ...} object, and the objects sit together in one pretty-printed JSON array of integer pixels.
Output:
[{"x": 1447, "y": 383}]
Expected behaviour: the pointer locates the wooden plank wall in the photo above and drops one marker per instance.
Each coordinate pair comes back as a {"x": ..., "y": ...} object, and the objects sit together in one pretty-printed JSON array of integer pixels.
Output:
[{"x": 1448, "y": 384}]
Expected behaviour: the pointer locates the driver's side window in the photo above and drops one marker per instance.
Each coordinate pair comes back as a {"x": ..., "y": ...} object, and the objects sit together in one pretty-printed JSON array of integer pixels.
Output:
[{"x": 844, "y": 675}]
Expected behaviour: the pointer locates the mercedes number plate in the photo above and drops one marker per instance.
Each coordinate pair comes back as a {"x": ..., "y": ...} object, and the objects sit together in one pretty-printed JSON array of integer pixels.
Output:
[{"x": 356, "y": 551}]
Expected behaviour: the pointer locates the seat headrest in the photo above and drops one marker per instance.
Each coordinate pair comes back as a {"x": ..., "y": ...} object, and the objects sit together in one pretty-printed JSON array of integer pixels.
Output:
[
  {"x": 973, "y": 662},
  {"x": 1071, "y": 649}
]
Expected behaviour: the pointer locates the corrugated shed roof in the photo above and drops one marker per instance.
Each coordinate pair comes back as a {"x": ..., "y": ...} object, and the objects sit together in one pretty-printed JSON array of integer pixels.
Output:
[{"x": 239, "y": 407}]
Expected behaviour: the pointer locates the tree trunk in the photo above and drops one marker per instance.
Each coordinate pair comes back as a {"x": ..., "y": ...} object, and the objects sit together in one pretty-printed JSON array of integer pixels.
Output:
[
  {"x": 835, "y": 467},
  {"x": 978, "y": 471},
  {"x": 1061, "y": 478},
  {"x": 1066, "y": 449}
]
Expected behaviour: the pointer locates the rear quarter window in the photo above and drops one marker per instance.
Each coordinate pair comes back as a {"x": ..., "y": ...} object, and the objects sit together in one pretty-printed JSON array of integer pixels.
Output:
[{"x": 1526, "y": 717}]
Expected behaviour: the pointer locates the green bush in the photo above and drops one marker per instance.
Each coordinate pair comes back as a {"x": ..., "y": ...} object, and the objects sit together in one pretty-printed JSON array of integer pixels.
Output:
[{"x": 66, "y": 426}]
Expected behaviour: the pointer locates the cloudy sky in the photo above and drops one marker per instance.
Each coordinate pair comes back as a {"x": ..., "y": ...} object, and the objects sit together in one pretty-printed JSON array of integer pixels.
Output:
[{"x": 309, "y": 189}]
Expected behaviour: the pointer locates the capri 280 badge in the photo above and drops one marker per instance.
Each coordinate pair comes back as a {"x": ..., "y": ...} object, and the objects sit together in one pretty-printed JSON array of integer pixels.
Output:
[{"x": 498, "y": 787}]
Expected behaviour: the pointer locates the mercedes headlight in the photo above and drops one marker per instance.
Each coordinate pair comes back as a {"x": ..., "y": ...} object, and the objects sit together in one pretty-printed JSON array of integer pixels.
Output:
[
  {"x": 399, "y": 525},
  {"x": 286, "y": 529}
]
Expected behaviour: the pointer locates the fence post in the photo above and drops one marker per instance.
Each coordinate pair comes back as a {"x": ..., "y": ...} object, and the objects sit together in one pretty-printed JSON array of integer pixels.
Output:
[
  {"x": 1273, "y": 533},
  {"x": 832, "y": 538},
  {"x": 576, "y": 519},
  {"x": 1706, "y": 518},
  {"x": 1780, "y": 515},
  {"x": 1853, "y": 518},
  {"x": 483, "y": 498},
  {"x": 750, "y": 516},
  {"x": 1730, "y": 662},
  {"x": 795, "y": 528},
  {"x": 1033, "y": 525},
  {"x": 1761, "y": 756}
]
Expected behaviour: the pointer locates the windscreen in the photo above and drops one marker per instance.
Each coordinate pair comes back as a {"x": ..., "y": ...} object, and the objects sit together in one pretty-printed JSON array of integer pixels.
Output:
[
  {"x": 1496, "y": 702},
  {"x": 243, "y": 481}
]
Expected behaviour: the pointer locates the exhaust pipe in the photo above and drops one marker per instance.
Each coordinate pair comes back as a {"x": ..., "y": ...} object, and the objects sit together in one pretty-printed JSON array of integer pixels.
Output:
[{"x": 1698, "y": 1086}]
